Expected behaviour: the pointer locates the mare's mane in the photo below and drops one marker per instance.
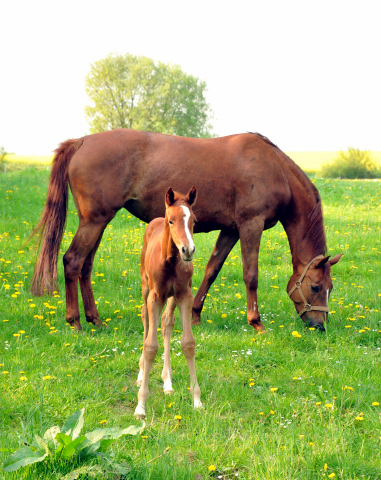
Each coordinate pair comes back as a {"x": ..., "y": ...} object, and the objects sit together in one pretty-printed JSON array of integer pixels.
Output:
[{"x": 315, "y": 231}]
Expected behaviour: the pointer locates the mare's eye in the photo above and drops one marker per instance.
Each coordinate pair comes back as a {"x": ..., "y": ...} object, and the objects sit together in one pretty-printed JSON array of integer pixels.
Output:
[{"x": 315, "y": 288}]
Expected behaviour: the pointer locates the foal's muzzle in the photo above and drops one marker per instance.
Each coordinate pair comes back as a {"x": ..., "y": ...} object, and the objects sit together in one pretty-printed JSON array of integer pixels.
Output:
[{"x": 187, "y": 253}]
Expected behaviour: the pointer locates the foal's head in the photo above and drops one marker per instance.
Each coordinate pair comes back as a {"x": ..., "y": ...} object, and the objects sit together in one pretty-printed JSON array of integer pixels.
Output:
[{"x": 181, "y": 219}]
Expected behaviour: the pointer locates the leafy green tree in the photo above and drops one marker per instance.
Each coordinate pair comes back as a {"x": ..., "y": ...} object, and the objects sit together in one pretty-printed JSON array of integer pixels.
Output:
[
  {"x": 130, "y": 91},
  {"x": 354, "y": 163},
  {"x": 3, "y": 162}
]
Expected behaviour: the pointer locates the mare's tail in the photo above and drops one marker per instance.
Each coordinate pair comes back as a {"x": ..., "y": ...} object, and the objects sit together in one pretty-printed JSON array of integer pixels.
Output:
[{"x": 52, "y": 224}]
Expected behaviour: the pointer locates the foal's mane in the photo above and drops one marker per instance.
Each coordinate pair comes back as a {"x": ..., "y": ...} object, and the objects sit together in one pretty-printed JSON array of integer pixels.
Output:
[{"x": 315, "y": 230}]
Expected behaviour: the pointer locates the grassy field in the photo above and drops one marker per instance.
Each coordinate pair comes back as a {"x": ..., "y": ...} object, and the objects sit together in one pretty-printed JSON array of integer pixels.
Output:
[
  {"x": 276, "y": 406},
  {"x": 310, "y": 161}
]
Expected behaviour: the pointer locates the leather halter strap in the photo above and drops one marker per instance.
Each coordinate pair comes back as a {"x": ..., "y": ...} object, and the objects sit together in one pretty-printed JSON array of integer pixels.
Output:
[{"x": 298, "y": 286}]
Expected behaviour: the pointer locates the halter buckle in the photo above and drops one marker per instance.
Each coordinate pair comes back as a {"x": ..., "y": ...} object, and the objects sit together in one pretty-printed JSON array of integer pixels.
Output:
[
  {"x": 308, "y": 307},
  {"x": 298, "y": 284}
]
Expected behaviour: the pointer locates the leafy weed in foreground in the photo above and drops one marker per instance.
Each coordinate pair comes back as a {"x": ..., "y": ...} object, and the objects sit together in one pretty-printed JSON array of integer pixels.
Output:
[{"x": 67, "y": 446}]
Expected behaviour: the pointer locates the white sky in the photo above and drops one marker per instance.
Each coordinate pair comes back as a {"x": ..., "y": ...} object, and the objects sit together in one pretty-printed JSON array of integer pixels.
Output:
[{"x": 304, "y": 73}]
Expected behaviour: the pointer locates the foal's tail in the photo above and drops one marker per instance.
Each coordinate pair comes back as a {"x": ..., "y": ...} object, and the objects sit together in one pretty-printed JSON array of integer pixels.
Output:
[{"x": 51, "y": 226}]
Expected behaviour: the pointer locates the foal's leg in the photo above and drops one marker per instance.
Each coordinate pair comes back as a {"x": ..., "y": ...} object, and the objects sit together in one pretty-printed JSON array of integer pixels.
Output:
[
  {"x": 167, "y": 324},
  {"x": 250, "y": 235},
  {"x": 184, "y": 303},
  {"x": 91, "y": 312},
  {"x": 145, "y": 320},
  {"x": 83, "y": 242},
  {"x": 155, "y": 305},
  {"x": 221, "y": 250}
]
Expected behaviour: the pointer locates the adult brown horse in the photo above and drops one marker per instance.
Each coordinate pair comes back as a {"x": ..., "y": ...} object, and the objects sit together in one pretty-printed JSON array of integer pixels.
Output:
[{"x": 245, "y": 185}]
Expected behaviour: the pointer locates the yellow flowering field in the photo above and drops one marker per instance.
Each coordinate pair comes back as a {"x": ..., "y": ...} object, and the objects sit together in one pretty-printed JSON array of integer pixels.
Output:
[{"x": 290, "y": 403}]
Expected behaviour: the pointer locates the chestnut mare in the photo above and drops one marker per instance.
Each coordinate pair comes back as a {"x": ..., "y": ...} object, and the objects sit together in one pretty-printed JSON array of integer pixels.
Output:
[
  {"x": 166, "y": 269},
  {"x": 245, "y": 185}
]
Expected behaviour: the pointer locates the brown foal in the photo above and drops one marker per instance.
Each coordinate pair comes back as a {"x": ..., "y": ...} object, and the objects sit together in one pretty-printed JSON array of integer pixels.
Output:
[{"x": 166, "y": 269}]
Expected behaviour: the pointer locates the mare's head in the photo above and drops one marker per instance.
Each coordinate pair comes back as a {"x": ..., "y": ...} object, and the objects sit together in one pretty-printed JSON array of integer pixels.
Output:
[
  {"x": 181, "y": 219},
  {"x": 309, "y": 290}
]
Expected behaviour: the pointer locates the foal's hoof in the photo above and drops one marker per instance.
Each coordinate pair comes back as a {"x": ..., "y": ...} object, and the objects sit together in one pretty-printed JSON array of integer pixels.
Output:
[
  {"x": 140, "y": 413},
  {"x": 169, "y": 391}
]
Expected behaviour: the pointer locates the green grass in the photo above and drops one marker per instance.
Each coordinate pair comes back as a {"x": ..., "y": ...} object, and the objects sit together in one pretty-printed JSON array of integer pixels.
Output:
[{"x": 243, "y": 429}]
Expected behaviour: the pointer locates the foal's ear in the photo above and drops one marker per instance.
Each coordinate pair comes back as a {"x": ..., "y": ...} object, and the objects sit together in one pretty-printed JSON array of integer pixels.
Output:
[
  {"x": 191, "y": 196},
  {"x": 169, "y": 197}
]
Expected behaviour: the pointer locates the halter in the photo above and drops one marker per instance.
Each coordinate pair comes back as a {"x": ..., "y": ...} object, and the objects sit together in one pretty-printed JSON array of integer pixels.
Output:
[{"x": 298, "y": 285}]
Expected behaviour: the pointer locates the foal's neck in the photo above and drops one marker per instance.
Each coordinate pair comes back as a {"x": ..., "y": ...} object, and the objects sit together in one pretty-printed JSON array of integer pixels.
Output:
[{"x": 169, "y": 250}]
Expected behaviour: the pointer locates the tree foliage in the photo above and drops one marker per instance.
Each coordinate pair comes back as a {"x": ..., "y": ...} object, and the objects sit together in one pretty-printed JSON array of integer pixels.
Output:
[
  {"x": 130, "y": 91},
  {"x": 3, "y": 162},
  {"x": 354, "y": 163}
]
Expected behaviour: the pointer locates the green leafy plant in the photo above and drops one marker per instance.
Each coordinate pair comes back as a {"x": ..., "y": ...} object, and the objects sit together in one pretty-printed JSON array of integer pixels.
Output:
[
  {"x": 67, "y": 445},
  {"x": 352, "y": 164}
]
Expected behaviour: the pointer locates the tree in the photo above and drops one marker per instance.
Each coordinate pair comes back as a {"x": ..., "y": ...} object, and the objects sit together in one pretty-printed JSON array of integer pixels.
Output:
[
  {"x": 3, "y": 162},
  {"x": 355, "y": 163},
  {"x": 128, "y": 91}
]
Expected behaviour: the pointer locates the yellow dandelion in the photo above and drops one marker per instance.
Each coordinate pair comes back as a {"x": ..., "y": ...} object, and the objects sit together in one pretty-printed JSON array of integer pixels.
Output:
[
  {"x": 209, "y": 321},
  {"x": 144, "y": 436},
  {"x": 251, "y": 384},
  {"x": 16, "y": 334},
  {"x": 103, "y": 422},
  {"x": 5, "y": 372},
  {"x": 318, "y": 403},
  {"x": 296, "y": 334},
  {"x": 328, "y": 405},
  {"x": 211, "y": 468},
  {"x": 178, "y": 417},
  {"x": 261, "y": 413},
  {"x": 360, "y": 419},
  {"x": 273, "y": 389},
  {"x": 23, "y": 379},
  {"x": 375, "y": 404},
  {"x": 47, "y": 377},
  {"x": 332, "y": 475},
  {"x": 32, "y": 305},
  {"x": 238, "y": 295},
  {"x": 224, "y": 315}
]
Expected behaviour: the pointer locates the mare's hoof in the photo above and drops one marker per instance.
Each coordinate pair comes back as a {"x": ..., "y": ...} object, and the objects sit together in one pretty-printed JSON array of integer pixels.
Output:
[
  {"x": 169, "y": 391},
  {"x": 198, "y": 404},
  {"x": 75, "y": 323},
  {"x": 196, "y": 321}
]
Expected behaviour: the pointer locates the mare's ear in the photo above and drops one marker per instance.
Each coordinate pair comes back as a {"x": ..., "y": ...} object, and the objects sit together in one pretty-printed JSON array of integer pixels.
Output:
[
  {"x": 169, "y": 197},
  {"x": 335, "y": 259},
  {"x": 191, "y": 196},
  {"x": 322, "y": 262}
]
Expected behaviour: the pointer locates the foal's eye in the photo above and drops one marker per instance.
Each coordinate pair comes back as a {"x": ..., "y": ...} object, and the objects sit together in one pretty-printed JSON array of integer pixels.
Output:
[
  {"x": 315, "y": 288},
  {"x": 170, "y": 222}
]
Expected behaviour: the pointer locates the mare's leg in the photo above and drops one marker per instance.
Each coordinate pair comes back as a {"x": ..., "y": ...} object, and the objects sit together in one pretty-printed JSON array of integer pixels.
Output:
[
  {"x": 83, "y": 242},
  {"x": 224, "y": 245},
  {"x": 250, "y": 235},
  {"x": 145, "y": 320},
  {"x": 91, "y": 311},
  {"x": 167, "y": 324},
  {"x": 184, "y": 303},
  {"x": 155, "y": 305}
]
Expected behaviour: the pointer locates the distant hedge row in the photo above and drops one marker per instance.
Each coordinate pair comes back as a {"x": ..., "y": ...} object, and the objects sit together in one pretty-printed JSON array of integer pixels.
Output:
[{"x": 354, "y": 163}]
